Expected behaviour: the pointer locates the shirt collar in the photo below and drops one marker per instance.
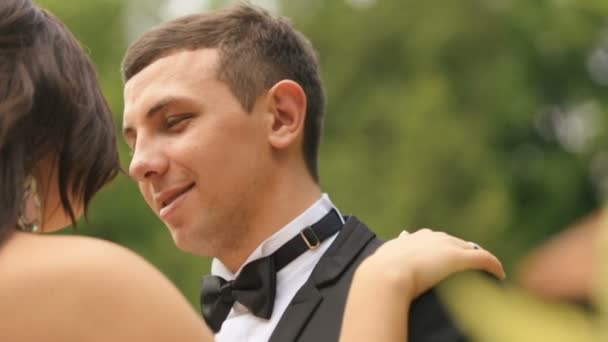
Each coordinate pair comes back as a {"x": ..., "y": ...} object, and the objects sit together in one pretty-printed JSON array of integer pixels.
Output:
[{"x": 310, "y": 216}]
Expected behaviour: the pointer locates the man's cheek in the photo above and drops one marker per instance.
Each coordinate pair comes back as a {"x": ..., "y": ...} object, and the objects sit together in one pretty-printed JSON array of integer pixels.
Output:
[{"x": 147, "y": 194}]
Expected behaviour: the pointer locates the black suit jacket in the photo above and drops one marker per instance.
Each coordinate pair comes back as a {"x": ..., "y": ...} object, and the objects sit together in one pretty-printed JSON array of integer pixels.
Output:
[{"x": 315, "y": 313}]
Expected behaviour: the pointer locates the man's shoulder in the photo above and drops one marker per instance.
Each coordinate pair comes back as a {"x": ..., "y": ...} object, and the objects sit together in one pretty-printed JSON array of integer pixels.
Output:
[
  {"x": 429, "y": 320},
  {"x": 360, "y": 228},
  {"x": 354, "y": 243}
]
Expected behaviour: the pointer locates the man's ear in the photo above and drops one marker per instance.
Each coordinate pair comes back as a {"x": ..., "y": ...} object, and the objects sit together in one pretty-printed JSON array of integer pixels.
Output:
[{"x": 287, "y": 104}]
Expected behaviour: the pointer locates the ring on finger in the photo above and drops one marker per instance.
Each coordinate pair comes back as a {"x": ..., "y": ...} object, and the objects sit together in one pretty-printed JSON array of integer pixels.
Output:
[{"x": 473, "y": 245}]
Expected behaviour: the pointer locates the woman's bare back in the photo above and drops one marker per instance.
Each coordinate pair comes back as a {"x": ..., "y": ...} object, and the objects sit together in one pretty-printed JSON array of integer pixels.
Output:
[{"x": 67, "y": 288}]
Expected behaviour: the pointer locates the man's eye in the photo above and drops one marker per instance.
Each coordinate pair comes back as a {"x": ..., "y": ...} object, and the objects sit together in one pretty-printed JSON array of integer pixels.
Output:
[{"x": 176, "y": 119}]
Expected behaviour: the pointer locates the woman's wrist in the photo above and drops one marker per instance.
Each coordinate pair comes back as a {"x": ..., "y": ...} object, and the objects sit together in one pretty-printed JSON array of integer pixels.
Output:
[
  {"x": 395, "y": 283},
  {"x": 376, "y": 291}
]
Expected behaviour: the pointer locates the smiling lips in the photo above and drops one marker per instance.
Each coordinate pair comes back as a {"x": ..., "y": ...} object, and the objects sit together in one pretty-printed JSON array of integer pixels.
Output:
[{"x": 168, "y": 200}]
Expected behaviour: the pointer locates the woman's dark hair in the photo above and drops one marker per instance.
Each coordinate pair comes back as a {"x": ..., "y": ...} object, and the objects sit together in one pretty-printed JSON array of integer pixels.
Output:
[{"x": 51, "y": 105}]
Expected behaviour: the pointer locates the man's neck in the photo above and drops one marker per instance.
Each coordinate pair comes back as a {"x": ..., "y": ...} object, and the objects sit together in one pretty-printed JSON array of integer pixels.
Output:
[{"x": 279, "y": 207}]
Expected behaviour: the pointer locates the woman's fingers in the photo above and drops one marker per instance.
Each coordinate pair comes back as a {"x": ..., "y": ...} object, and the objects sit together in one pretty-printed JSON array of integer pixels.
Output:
[
  {"x": 486, "y": 261},
  {"x": 478, "y": 258},
  {"x": 430, "y": 256},
  {"x": 474, "y": 256}
]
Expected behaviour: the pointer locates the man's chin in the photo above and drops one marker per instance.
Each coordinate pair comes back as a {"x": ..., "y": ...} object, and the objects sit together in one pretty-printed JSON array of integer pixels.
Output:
[
  {"x": 177, "y": 233},
  {"x": 187, "y": 243}
]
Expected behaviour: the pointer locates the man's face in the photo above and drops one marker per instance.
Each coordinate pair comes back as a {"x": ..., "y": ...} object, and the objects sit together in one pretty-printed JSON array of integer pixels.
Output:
[{"x": 199, "y": 158}]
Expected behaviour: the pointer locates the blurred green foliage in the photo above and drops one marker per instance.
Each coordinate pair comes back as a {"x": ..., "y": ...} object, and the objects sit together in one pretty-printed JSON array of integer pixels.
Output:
[
  {"x": 489, "y": 312},
  {"x": 481, "y": 117},
  {"x": 434, "y": 109}
]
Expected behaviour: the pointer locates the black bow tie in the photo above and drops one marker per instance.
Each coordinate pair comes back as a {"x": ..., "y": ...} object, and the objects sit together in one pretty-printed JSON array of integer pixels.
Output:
[{"x": 256, "y": 284}]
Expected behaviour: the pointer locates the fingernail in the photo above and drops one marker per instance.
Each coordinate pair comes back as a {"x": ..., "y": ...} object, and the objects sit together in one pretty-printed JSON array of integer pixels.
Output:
[{"x": 496, "y": 279}]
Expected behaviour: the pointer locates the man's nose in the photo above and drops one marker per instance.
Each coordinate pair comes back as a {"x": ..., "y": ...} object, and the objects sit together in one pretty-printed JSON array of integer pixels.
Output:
[{"x": 148, "y": 162}]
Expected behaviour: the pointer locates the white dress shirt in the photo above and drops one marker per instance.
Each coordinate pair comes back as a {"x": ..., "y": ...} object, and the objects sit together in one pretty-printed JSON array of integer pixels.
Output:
[{"x": 241, "y": 325}]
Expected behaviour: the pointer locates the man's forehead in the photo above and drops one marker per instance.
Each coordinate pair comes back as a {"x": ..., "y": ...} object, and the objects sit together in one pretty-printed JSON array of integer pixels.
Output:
[
  {"x": 181, "y": 69},
  {"x": 184, "y": 65}
]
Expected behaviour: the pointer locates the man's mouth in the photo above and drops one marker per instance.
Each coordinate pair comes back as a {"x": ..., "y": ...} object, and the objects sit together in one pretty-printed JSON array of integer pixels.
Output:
[{"x": 168, "y": 198}]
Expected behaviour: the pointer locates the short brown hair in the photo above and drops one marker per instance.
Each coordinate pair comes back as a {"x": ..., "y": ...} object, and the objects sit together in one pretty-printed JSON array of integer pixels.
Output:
[
  {"x": 50, "y": 105},
  {"x": 256, "y": 51}
]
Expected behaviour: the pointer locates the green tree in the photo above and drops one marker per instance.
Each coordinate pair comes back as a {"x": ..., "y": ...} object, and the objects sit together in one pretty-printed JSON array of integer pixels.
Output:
[
  {"x": 462, "y": 115},
  {"x": 481, "y": 117}
]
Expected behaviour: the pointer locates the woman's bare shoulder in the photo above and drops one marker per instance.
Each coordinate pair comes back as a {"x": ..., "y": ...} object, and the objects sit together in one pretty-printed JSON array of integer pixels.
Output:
[
  {"x": 85, "y": 287},
  {"x": 65, "y": 258}
]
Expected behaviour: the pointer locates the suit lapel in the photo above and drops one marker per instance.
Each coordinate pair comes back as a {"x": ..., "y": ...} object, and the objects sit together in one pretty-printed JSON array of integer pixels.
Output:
[
  {"x": 353, "y": 237},
  {"x": 297, "y": 313}
]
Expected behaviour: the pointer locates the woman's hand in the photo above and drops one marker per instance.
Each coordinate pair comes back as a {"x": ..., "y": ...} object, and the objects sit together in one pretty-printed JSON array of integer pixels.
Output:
[
  {"x": 413, "y": 263},
  {"x": 387, "y": 282}
]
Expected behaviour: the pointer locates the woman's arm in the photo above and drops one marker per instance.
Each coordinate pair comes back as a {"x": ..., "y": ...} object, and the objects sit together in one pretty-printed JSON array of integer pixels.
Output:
[{"x": 406, "y": 267}]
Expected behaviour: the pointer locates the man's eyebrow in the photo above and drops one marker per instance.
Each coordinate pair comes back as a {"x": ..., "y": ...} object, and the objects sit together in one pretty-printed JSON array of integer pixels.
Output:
[
  {"x": 159, "y": 106},
  {"x": 155, "y": 109}
]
